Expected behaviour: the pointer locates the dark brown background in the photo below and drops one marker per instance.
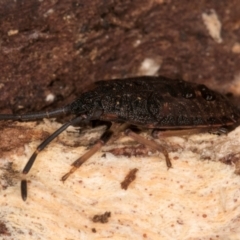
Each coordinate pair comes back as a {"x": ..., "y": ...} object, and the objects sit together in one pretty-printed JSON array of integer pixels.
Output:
[{"x": 60, "y": 47}]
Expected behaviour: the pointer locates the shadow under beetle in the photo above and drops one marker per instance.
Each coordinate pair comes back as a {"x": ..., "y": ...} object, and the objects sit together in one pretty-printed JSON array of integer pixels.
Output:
[{"x": 146, "y": 102}]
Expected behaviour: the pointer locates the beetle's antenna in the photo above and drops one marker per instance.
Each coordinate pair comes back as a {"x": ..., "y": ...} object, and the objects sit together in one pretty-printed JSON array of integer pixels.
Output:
[
  {"x": 35, "y": 116},
  {"x": 47, "y": 141},
  {"x": 32, "y": 159}
]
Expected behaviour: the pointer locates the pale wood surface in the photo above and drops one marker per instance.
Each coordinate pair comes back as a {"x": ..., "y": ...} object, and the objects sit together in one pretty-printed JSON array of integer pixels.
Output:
[{"x": 196, "y": 199}]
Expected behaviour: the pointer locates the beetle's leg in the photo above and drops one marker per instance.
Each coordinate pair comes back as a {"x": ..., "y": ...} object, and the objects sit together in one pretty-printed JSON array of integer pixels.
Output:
[
  {"x": 149, "y": 143},
  {"x": 102, "y": 141},
  {"x": 219, "y": 131},
  {"x": 40, "y": 148},
  {"x": 156, "y": 133},
  {"x": 117, "y": 128}
]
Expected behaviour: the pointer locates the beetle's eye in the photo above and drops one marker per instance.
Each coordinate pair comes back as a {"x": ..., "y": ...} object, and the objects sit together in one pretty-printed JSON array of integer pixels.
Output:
[
  {"x": 188, "y": 95},
  {"x": 206, "y": 93},
  {"x": 186, "y": 91}
]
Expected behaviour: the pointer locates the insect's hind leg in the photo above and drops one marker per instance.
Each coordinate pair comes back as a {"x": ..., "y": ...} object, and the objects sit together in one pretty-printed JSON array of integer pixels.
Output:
[
  {"x": 156, "y": 133},
  {"x": 97, "y": 146},
  {"x": 150, "y": 143}
]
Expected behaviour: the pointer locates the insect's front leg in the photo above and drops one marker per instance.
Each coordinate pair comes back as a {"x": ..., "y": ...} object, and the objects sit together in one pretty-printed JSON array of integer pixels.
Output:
[{"x": 97, "y": 146}]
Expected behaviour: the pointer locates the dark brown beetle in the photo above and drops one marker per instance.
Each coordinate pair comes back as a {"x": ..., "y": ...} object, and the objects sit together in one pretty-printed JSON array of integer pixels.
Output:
[{"x": 145, "y": 102}]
